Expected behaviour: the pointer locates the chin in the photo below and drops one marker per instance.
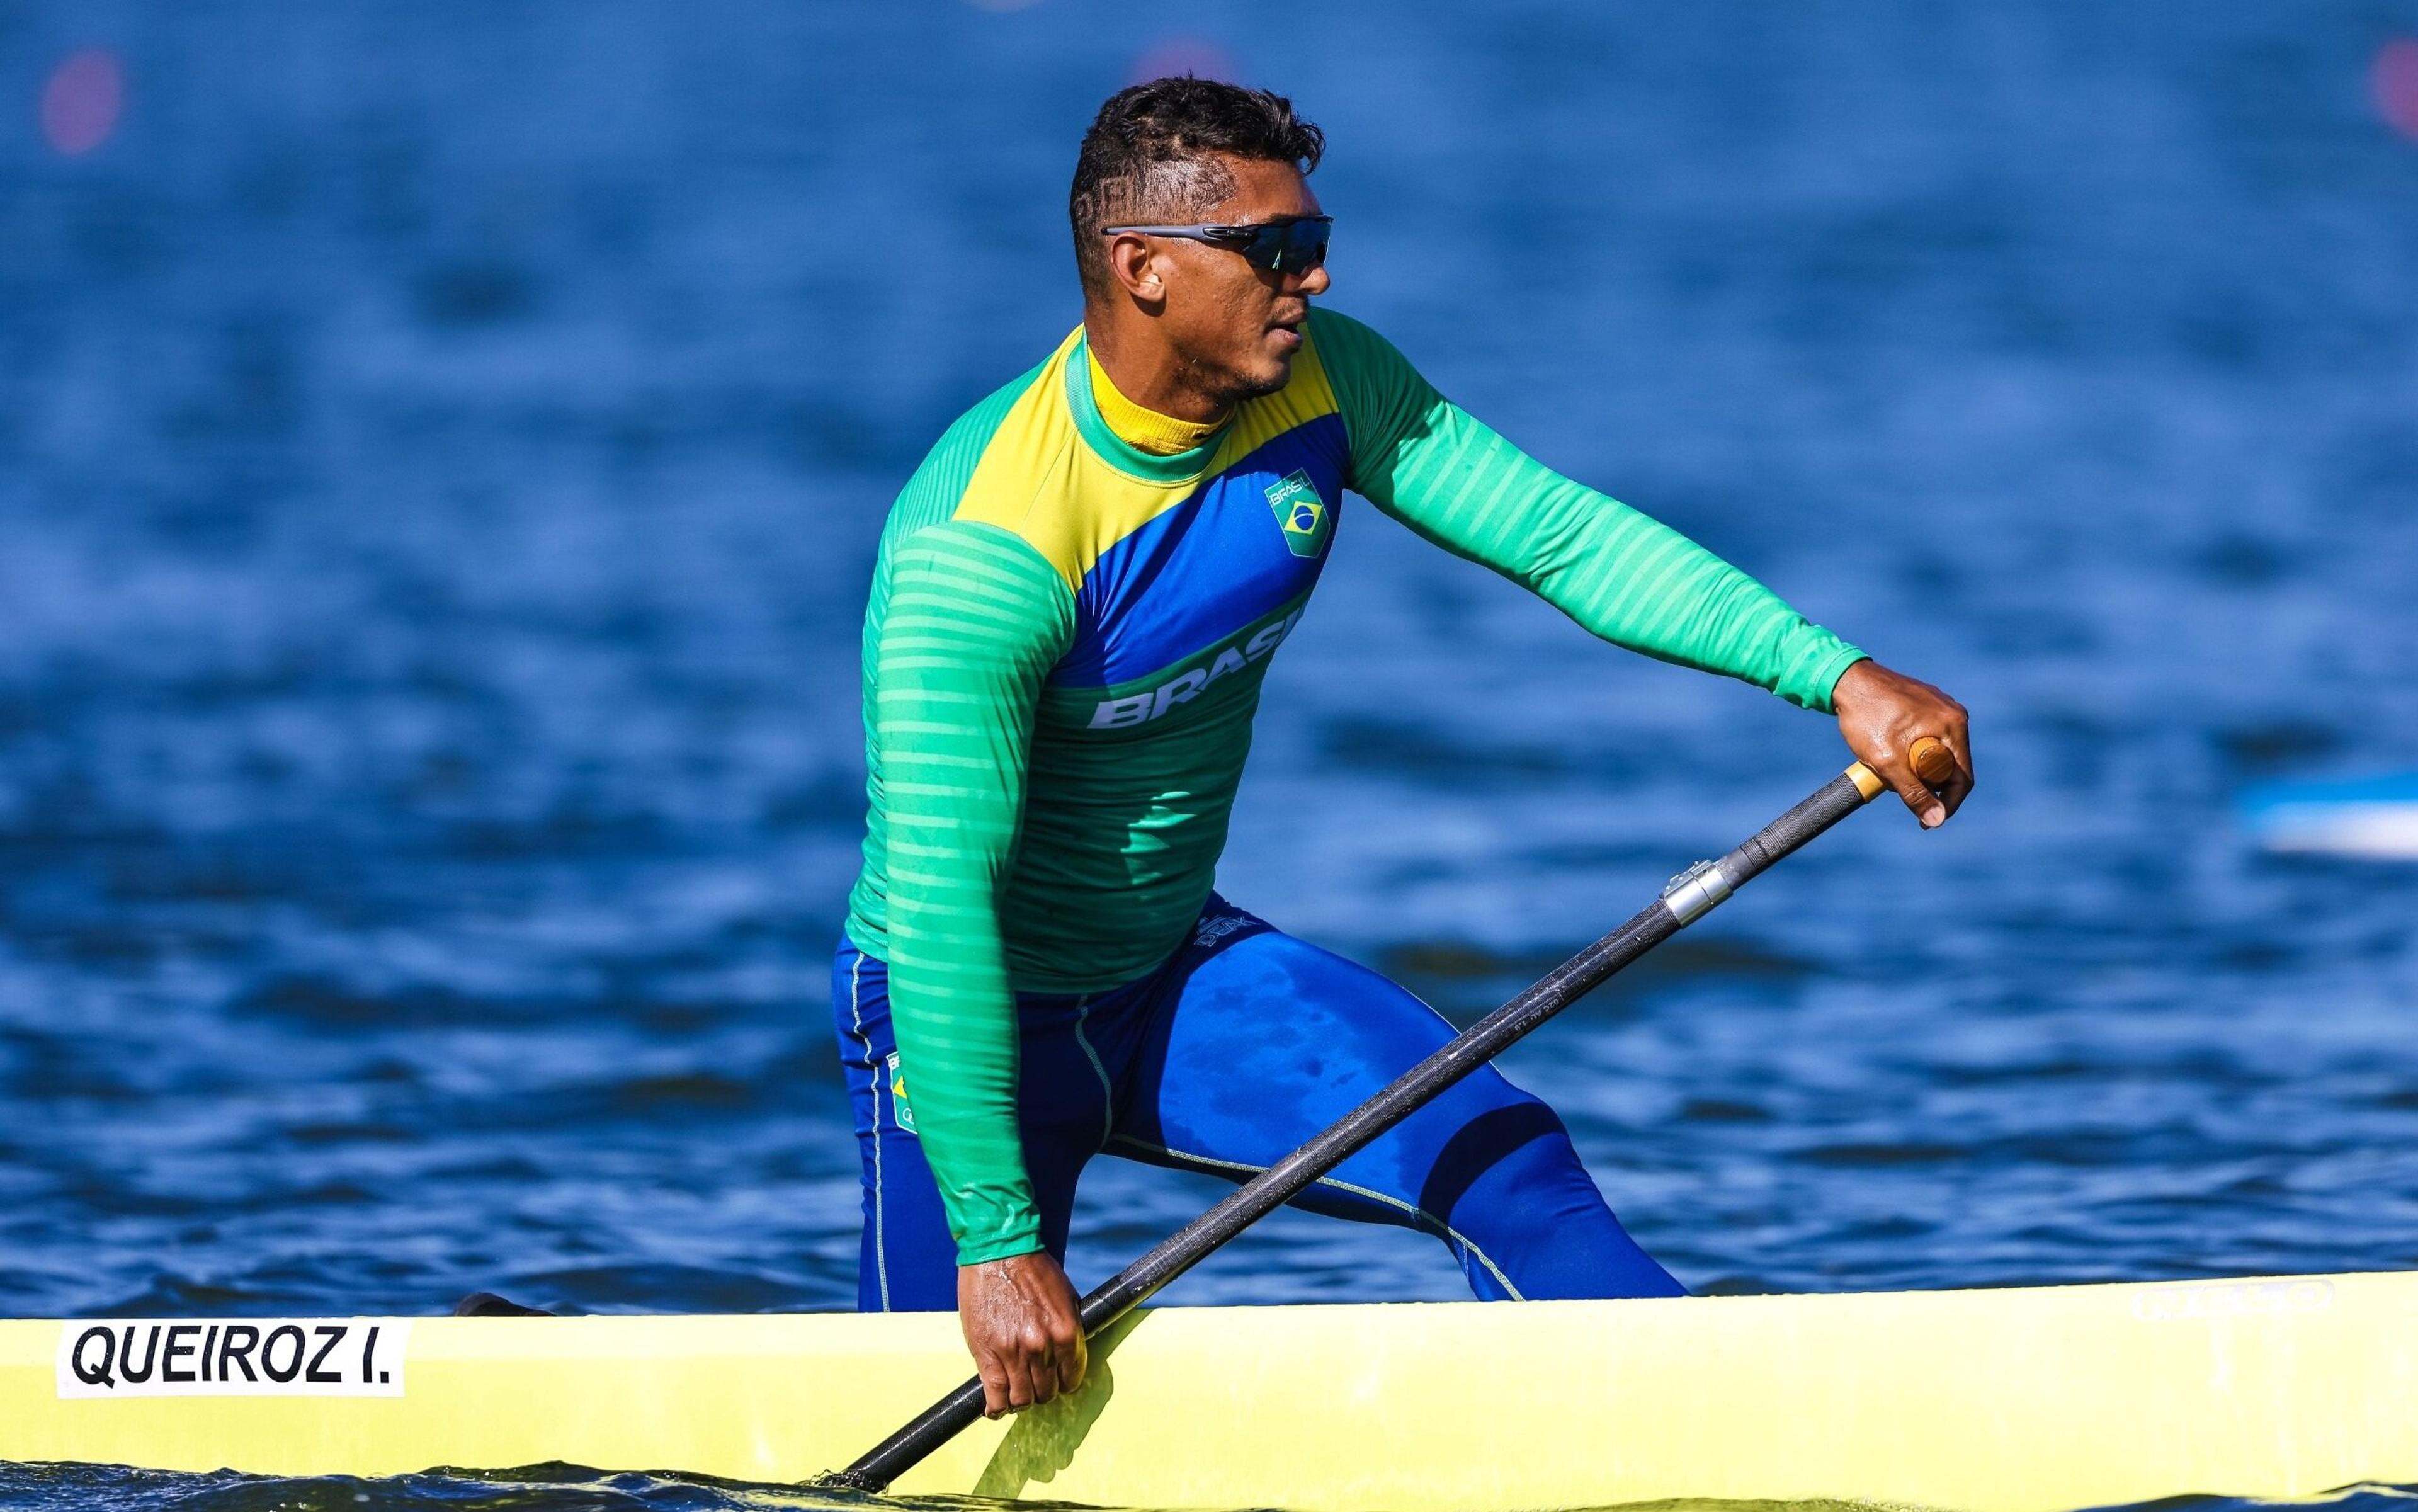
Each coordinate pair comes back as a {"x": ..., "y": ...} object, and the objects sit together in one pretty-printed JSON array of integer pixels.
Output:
[{"x": 1264, "y": 377}]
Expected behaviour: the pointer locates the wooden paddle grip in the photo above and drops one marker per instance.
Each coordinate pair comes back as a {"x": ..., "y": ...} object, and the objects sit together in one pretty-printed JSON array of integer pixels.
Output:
[{"x": 1932, "y": 761}]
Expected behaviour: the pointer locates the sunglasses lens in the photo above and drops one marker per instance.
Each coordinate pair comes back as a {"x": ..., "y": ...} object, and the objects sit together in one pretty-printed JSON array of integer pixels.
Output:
[{"x": 1289, "y": 247}]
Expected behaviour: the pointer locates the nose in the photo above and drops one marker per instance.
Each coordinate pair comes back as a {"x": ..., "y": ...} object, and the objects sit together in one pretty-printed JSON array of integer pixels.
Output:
[{"x": 1314, "y": 283}]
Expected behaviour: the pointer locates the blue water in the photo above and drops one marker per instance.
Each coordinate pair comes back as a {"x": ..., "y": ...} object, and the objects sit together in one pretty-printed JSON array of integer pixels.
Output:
[{"x": 442, "y": 445}]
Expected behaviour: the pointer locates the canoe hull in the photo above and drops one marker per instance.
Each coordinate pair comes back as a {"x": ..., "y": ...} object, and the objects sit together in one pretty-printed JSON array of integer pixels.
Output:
[{"x": 2026, "y": 1400}]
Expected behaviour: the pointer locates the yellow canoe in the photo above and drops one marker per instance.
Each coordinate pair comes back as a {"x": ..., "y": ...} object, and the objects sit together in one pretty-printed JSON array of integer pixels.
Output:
[{"x": 2018, "y": 1400}]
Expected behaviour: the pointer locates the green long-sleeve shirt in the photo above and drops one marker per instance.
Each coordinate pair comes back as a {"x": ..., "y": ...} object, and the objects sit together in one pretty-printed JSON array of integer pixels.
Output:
[{"x": 1064, "y": 651}]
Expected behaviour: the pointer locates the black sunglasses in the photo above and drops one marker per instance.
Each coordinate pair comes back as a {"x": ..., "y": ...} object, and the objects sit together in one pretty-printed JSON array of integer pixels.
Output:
[{"x": 1292, "y": 243}]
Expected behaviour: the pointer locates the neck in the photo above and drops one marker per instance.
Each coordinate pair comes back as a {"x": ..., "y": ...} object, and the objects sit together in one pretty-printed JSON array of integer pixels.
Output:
[
  {"x": 1143, "y": 429},
  {"x": 1152, "y": 376}
]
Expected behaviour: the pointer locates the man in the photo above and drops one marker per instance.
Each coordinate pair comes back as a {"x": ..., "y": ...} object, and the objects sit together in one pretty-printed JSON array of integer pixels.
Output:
[{"x": 1076, "y": 600}]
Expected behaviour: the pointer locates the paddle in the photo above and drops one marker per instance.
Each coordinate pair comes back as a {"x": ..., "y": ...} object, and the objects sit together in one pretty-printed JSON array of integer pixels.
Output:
[{"x": 1689, "y": 896}]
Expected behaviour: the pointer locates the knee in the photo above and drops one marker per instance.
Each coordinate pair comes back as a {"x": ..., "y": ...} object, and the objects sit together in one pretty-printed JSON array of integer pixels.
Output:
[{"x": 1519, "y": 1143}]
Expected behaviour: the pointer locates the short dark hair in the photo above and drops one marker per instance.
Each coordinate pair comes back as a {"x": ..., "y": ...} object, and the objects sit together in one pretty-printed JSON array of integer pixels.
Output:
[{"x": 1147, "y": 159}]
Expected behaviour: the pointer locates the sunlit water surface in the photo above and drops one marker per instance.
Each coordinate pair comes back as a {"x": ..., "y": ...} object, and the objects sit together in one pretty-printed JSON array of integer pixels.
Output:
[{"x": 441, "y": 449}]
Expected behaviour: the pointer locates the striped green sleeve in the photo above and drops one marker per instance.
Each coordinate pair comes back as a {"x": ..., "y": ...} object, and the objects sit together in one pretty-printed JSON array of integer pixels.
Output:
[
  {"x": 1628, "y": 578},
  {"x": 975, "y": 621}
]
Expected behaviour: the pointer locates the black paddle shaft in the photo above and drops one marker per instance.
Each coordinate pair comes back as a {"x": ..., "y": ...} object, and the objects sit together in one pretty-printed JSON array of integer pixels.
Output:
[{"x": 1691, "y": 894}]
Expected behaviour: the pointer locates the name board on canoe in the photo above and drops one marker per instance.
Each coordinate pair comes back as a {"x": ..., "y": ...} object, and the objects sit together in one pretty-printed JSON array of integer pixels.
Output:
[{"x": 233, "y": 1357}]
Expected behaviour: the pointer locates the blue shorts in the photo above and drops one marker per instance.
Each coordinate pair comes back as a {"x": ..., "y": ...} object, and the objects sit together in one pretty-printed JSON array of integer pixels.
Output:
[{"x": 1243, "y": 1046}]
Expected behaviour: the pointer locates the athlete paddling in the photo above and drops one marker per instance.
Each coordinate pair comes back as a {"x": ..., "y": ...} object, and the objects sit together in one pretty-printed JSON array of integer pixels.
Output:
[{"x": 1076, "y": 600}]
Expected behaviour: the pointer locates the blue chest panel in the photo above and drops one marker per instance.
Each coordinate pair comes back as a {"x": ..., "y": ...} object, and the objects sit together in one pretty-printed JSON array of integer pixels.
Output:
[{"x": 1250, "y": 540}]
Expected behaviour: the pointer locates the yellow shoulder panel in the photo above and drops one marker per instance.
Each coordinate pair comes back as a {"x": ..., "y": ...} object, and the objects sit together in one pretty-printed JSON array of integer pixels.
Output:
[{"x": 1022, "y": 481}]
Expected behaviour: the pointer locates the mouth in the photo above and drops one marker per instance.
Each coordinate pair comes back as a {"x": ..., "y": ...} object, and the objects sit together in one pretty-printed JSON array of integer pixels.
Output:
[{"x": 1287, "y": 334}]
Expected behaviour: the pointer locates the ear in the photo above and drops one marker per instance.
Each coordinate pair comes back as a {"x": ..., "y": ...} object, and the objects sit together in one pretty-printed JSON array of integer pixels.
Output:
[{"x": 1139, "y": 270}]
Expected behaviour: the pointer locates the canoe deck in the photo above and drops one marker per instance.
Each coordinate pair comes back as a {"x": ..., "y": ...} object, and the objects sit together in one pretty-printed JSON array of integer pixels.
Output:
[{"x": 2025, "y": 1400}]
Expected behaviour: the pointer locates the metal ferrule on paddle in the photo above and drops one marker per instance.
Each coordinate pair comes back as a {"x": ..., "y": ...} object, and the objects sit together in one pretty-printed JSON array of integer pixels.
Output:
[{"x": 1689, "y": 896}]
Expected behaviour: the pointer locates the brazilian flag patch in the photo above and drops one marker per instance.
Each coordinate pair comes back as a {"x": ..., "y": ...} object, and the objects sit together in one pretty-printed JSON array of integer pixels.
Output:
[
  {"x": 1301, "y": 513},
  {"x": 898, "y": 1108}
]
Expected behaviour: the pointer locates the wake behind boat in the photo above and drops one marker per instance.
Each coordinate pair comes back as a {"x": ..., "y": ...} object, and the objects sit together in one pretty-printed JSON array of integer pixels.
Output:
[{"x": 2011, "y": 1400}]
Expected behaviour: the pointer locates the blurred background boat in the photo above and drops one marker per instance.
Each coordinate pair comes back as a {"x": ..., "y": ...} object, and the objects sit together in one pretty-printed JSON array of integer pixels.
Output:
[{"x": 2373, "y": 818}]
